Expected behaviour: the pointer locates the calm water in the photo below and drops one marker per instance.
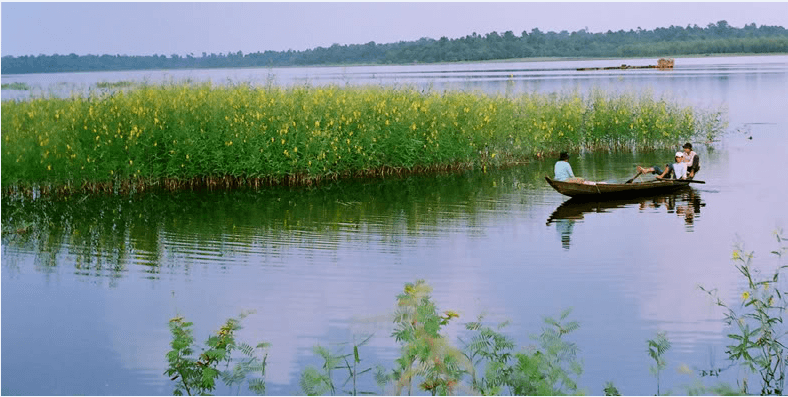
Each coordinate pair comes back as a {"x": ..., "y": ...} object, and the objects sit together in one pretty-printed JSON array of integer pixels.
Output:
[{"x": 86, "y": 295}]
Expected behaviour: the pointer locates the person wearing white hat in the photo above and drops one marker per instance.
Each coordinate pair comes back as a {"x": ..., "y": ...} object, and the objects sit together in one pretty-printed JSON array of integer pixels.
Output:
[{"x": 677, "y": 170}]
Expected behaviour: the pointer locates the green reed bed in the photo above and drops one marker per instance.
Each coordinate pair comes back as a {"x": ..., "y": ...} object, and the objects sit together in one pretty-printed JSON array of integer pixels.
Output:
[
  {"x": 115, "y": 84},
  {"x": 180, "y": 135},
  {"x": 16, "y": 86}
]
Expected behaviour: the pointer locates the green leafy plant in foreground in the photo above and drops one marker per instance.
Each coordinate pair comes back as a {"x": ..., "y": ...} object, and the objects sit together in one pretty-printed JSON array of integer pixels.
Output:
[
  {"x": 426, "y": 354},
  {"x": 315, "y": 382},
  {"x": 610, "y": 389},
  {"x": 757, "y": 340},
  {"x": 657, "y": 348},
  {"x": 493, "y": 349},
  {"x": 552, "y": 367},
  {"x": 197, "y": 376}
]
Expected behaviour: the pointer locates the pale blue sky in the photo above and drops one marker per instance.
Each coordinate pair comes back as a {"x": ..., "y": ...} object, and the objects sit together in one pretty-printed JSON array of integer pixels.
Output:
[{"x": 182, "y": 28}]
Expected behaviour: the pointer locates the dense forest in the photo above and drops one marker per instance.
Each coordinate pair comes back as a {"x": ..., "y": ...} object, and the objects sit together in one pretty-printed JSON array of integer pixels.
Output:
[{"x": 719, "y": 38}]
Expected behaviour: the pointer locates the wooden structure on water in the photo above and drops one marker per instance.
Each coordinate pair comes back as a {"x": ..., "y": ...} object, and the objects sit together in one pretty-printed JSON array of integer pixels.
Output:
[
  {"x": 662, "y": 64},
  {"x": 598, "y": 190}
]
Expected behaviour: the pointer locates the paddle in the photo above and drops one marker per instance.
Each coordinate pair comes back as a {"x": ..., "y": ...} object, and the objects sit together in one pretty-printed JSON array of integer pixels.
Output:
[
  {"x": 633, "y": 178},
  {"x": 683, "y": 180}
]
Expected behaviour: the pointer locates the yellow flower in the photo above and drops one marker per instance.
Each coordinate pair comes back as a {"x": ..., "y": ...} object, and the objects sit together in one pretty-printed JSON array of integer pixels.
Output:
[
  {"x": 736, "y": 254},
  {"x": 131, "y": 162},
  {"x": 49, "y": 167},
  {"x": 745, "y": 296}
]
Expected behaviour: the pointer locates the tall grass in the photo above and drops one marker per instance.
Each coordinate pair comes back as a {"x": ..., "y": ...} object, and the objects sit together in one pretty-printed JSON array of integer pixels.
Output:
[
  {"x": 184, "y": 134},
  {"x": 16, "y": 86}
]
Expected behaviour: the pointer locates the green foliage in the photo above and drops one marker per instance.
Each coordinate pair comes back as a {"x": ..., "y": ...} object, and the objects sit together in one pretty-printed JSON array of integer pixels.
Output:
[
  {"x": 353, "y": 371},
  {"x": 657, "y": 348},
  {"x": 757, "y": 340},
  {"x": 489, "y": 347},
  {"x": 382, "y": 377},
  {"x": 116, "y": 84},
  {"x": 315, "y": 382},
  {"x": 426, "y": 354},
  {"x": 720, "y": 389},
  {"x": 675, "y": 40},
  {"x": 197, "y": 375},
  {"x": 16, "y": 86},
  {"x": 551, "y": 368},
  {"x": 186, "y": 135},
  {"x": 610, "y": 389}
]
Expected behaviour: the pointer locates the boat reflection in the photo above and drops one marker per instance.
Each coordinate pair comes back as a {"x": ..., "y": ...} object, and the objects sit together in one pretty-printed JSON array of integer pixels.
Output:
[{"x": 685, "y": 204}]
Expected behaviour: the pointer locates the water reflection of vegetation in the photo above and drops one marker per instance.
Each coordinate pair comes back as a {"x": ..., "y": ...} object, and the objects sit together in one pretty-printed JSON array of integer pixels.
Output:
[
  {"x": 106, "y": 233},
  {"x": 686, "y": 204}
]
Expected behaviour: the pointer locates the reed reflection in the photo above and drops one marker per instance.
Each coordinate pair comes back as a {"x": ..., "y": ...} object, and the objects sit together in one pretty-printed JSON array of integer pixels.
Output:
[{"x": 685, "y": 204}]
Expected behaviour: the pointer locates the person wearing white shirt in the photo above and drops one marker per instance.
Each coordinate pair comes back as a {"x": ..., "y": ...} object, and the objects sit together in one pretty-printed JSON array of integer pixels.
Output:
[{"x": 677, "y": 170}]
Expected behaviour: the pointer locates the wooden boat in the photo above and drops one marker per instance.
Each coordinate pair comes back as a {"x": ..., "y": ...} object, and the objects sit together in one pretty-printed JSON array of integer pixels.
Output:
[{"x": 588, "y": 189}]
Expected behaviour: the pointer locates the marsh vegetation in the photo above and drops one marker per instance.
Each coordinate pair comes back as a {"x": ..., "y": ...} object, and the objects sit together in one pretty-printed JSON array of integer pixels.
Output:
[{"x": 188, "y": 135}]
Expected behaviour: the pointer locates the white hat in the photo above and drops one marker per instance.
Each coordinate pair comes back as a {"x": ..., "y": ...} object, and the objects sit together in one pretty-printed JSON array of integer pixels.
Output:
[{"x": 679, "y": 154}]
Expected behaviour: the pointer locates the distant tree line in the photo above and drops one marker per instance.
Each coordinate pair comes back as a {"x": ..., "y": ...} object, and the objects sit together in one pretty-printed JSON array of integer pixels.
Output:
[{"x": 719, "y": 38}]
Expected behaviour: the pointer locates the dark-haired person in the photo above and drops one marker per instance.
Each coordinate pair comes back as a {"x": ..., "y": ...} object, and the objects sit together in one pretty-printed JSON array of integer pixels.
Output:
[
  {"x": 563, "y": 171},
  {"x": 692, "y": 159}
]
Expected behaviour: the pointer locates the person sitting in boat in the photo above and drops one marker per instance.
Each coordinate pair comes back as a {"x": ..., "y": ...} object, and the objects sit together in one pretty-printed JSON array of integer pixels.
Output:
[
  {"x": 692, "y": 159},
  {"x": 677, "y": 170},
  {"x": 563, "y": 171}
]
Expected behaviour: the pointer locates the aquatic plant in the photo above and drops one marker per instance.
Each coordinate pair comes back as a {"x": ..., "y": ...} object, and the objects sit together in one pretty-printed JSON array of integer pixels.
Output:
[
  {"x": 758, "y": 337},
  {"x": 197, "y": 376},
  {"x": 657, "y": 348},
  {"x": 551, "y": 368},
  {"x": 610, "y": 389},
  {"x": 199, "y": 135},
  {"x": 114, "y": 84},
  {"x": 426, "y": 354},
  {"x": 316, "y": 382},
  {"x": 489, "y": 347},
  {"x": 16, "y": 86}
]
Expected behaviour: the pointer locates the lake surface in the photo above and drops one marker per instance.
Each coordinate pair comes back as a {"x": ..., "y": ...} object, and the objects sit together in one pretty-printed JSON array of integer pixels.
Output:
[{"x": 87, "y": 293}]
